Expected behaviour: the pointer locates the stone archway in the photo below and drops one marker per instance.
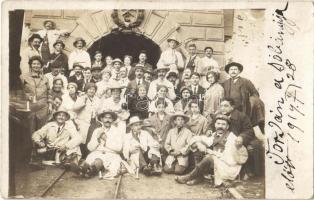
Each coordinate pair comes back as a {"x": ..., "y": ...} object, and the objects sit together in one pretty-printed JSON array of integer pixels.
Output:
[
  {"x": 119, "y": 44},
  {"x": 205, "y": 28}
]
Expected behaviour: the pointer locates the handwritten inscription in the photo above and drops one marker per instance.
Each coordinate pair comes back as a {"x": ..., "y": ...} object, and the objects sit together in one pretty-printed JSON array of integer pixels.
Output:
[{"x": 287, "y": 114}]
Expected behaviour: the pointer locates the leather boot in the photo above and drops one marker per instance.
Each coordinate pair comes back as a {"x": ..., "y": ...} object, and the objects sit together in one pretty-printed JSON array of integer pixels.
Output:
[{"x": 185, "y": 178}]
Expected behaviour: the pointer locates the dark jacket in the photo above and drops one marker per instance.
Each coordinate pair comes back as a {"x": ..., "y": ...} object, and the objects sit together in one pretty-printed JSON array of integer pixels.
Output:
[
  {"x": 132, "y": 84},
  {"x": 131, "y": 75},
  {"x": 247, "y": 89}
]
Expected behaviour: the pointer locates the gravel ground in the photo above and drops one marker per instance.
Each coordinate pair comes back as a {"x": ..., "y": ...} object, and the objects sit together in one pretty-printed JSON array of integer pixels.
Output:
[{"x": 32, "y": 184}]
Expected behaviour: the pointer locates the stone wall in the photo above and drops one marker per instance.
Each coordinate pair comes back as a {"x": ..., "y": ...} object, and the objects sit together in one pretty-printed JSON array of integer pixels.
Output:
[
  {"x": 205, "y": 28},
  {"x": 247, "y": 45}
]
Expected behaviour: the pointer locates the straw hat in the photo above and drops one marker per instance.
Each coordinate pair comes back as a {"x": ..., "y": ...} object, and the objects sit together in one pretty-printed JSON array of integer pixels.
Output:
[
  {"x": 102, "y": 114},
  {"x": 134, "y": 120},
  {"x": 79, "y": 39},
  {"x": 172, "y": 38},
  {"x": 61, "y": 110},
  {"x": 179, "y": 114}
]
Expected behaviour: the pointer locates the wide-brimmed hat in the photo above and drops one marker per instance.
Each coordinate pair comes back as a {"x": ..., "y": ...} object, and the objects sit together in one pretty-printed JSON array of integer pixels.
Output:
[
  {"x": 162, "y": 67},
  {"x": 103, "y": 113},
  {"x": 147, "y": 123},
  {"x": 173, "y": 39},
  {"x": 179, "y": 114},
  {"x": 227, "y": 67},
  {"x": 59, "y": 42},
  {"x": 115, "y": 85},
  {"x": 79, "y": 39},
  {"x": 148, "y": 70},
  {"x": 117, "y": 60},
  {"x": 61, "y": 110},
  {"x": 33, "y": 36},
  {"x": 222, "y": 117},
  {"x": 134, "y": 120},
  {"x": 48, "y": 20}
]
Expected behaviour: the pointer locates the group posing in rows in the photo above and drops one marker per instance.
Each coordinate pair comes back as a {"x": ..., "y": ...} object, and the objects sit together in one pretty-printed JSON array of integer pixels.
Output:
[{"x": 110, "y": 117}]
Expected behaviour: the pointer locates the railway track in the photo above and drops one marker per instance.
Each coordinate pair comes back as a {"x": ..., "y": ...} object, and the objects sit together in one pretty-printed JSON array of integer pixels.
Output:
[{"x": 124, "y": 190}]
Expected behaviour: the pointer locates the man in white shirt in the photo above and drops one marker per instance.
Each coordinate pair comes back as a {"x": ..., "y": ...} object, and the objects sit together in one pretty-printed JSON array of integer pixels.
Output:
[
  {"x": 34, "y": 43},
  {"x": 51, "y": 33},
  {"x": 161, "y": 80},
  {"x": 55, "y": 72},
  {"x": 192, "y": 60},
  {"x": 206, "y": 64},
  {"x": 79, "y": 55},
  {"x": 171, "y": 57}
]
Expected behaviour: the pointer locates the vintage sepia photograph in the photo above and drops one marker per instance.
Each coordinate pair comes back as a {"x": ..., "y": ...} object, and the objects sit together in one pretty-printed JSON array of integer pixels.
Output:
[{"x": 137, "y": 103}]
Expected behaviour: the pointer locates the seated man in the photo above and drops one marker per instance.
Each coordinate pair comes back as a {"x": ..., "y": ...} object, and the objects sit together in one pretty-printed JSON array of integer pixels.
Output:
[
  {"x": 225, "y": 156},
  {"x": 141, "y": 150},
  {"x": 105, "y": 146},
  {"x": 58, "y": 140},
  {"x": 176, "y": 145}
]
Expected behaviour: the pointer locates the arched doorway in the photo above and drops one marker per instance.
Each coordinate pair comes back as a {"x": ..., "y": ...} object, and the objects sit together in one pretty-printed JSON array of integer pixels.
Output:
[{"x": 119, "y": 44}]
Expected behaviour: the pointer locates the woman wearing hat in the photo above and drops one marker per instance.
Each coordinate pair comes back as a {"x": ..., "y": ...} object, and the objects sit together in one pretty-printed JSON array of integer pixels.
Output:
[
  {"x": 171, "y": 57},
  {"x": 182, "y": 104},
  {"x": 58, "y": 140},
  {"x": 138, "y": 104},
  {"x": 162, "y": 91},
  {"x": 176, "y": 145},
  {"x": 115, "y": 72},
  {"x": 36, "y": 88},
  {"x": 34, "y": 43},
  {"x": 79, "y": 55}
]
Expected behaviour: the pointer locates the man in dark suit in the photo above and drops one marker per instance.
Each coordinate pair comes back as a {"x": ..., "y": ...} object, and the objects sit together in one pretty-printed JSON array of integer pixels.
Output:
[
  {"x": 241, "y": 126},
  {"x": 238, "y": 88},
  {"x": 78, "y": 77},
  {"x": 138, "y": 80},
  {"x": 142, "y": 61},
  {"x": 197, "y": 90}
]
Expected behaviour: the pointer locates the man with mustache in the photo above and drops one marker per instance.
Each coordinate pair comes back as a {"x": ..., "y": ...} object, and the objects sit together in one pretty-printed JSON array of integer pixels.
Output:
[
  {"x": 79, "y": 55},
  {"x": 32, "y": 50},
  {"x": 106, "y": 146},
  {"x": 225, "y": 155},
  {"x": 238, "y": 88}
]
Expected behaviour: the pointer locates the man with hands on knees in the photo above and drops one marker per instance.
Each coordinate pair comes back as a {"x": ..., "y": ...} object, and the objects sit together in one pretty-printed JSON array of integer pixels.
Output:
[
  {"x": 176, "y": 145},
  {"x": 141, "y": 150}
]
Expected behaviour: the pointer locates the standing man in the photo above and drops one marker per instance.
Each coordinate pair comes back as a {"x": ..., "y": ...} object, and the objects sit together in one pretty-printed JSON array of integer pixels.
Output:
[
  {"x": 34, "y": 43},
  {"x": 238, "y": 88},
  {"x": 79, "y": 55},
  {"x": 192, "y": 60},
  {"x": 58, "y": 57},
  {"x": 161, "y": 80},
  {"x": 206, "y": 64},
  {"x": 138, "y": 80},
  {"x": 171, "y": 57},
  {"x": 142, "y": 60},
  {"x": 197, "y": 90},
  {"x": 176, "y": 145}
]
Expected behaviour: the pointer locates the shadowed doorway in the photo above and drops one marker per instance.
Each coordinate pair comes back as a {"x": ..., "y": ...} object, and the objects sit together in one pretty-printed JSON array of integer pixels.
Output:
[{"x": 119, "y": 44}]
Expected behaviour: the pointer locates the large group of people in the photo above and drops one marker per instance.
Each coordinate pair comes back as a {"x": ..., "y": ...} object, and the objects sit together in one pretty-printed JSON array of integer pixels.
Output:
[{"x": 107, "y": 116}]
